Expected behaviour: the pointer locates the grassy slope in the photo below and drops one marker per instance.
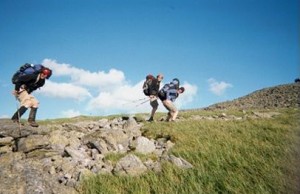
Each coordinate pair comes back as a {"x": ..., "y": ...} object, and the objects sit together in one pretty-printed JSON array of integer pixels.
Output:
[{"x": 247, "y": 156}]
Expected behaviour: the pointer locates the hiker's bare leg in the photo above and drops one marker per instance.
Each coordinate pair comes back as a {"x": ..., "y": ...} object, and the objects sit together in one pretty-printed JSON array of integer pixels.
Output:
[{"x": 174, "y": 115}]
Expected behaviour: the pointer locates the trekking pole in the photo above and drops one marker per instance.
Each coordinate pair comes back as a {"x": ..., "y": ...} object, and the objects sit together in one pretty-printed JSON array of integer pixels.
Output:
[
  {"x": 134, "y": 101},
  {"x": 19, "y": 119},
  {"x": 142, "y": 102},
  {"x": 139, "y": 99}
]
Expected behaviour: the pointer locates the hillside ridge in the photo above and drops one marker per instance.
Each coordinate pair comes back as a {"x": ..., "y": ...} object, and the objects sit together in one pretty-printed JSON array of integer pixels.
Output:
[{"x": 280, "y": 96}]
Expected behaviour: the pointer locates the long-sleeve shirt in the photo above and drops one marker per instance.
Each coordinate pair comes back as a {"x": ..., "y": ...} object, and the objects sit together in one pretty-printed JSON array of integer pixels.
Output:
[{"x": 171, "y": 94}]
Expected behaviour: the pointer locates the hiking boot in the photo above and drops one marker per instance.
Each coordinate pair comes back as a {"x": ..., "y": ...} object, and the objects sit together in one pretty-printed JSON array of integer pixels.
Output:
[
  {"x": 33, "y": 124},
  {"x": 31, "y": 118},
  {"x": 150, "y": 119}
]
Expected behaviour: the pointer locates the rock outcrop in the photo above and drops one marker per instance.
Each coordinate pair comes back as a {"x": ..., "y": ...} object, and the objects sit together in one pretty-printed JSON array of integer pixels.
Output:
[{"x": 54, "y": 158}]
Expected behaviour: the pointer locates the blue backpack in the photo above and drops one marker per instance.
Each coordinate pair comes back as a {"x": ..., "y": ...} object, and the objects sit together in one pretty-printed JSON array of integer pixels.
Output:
[
  {"x": 26, "y": 69},
  {"x": 174, "y": 84}
]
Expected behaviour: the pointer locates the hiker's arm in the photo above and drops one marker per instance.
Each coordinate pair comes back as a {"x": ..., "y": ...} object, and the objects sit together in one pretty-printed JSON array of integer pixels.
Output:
[{"x": 41, "y": 83}]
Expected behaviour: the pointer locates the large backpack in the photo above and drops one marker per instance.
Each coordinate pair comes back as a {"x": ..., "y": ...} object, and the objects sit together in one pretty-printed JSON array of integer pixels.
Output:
[
  {"x": 174, "y": 84},
  {"x": 26, "y": 69},
  {"x": 147, "y": 84}
]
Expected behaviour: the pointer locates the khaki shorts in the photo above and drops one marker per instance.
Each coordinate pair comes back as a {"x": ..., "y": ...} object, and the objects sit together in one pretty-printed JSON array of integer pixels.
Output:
[
  {"x": 28, "y": 100},
  {"x": 170, "y": 106}
]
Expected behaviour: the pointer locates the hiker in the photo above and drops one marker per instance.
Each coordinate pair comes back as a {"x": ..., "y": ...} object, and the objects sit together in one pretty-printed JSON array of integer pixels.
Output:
[
  {"x": 168, "y": 94},
  {"x": 25, "y": 84},
  {"x": 151, "y": 88}
]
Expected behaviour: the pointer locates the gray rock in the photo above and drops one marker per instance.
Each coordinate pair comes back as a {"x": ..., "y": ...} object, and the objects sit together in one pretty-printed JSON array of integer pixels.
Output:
[
  {"x": 130, "y": 165},
  {"x": 6, "y": 141},
  {"x": 77, "y": 155},
  {"x": 144, "y": 145},
  {"x": 180, "y": 162},
  {"x": 33, "y": 142}
]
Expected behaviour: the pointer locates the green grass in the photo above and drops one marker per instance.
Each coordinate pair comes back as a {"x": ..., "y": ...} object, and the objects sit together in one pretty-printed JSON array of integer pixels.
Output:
[
  {"x": 76, "y": 119},
  {"x": 246, "y": 156}
]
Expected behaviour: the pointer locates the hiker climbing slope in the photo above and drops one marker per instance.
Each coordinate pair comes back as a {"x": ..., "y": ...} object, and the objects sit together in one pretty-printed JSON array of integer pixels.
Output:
[
  {"x": 168, "y": 94},
  {"x": 28, "y": 79},
  {"x": 151, "y": 89}
]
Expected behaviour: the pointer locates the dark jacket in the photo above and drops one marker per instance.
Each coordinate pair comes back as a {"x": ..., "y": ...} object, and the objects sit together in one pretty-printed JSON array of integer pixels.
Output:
[
  {"x": 30, "y": 81},
  {"x": 154, "y": 87}
]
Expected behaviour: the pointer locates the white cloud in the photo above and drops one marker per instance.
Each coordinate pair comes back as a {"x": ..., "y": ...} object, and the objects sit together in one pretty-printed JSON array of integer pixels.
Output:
[
  {"x": 123, "y": 98},
  {"x": 100, "y": 79},
  {"x": 64, "y": 90},
  {"x": 188, "y": 95},
  {"x": 61, "y": 69},
  {"x": 218, "y": 88},
  {"x": 70, "y": 113}
]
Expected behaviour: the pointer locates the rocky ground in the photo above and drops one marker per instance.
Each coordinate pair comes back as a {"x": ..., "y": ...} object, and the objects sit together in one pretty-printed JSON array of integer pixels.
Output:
[
  {"x": 282, "y": 96},
  {"x": 54, "y": 158}
]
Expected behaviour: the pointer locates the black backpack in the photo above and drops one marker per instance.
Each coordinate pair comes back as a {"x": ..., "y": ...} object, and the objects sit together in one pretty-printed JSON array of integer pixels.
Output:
[
  {"x": 26, "y": 69},
  {"x": 146, "y": 87},
  {"x": 147, "y": 84}
]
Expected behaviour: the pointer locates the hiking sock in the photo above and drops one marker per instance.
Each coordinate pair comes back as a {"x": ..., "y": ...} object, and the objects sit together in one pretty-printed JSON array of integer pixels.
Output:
[
  {"x": 18, "y": 114},
  {"x": 31, "y": 118}
]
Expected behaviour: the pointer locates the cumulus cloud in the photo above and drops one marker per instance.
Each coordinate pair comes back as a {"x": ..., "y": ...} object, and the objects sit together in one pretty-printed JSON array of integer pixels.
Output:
[
  {"x": 218, "y": 88},
  {"x": 100, "y": 79},
  {"x": 188, "y": 95},
  {"x": 64, "y": 90},
  {"x": 123, "y": 98},
  {"x": 60, "y": 69}
]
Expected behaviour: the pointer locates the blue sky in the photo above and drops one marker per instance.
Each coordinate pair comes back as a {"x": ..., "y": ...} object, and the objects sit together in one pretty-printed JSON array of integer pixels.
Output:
[{"x": 100, "y": 51}]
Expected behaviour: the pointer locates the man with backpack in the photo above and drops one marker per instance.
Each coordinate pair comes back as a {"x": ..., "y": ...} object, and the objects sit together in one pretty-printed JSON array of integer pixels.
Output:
[
  {"x": 28, "y": 79},
  {"x": 168, "y": 94},
  {"x": 151, "y": 88}
]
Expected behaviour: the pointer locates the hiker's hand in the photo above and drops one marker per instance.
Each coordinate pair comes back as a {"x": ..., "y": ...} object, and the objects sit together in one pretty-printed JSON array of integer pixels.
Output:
[
  {"x": 152, "y": 98},
  {"x": 14, "y": 92}
]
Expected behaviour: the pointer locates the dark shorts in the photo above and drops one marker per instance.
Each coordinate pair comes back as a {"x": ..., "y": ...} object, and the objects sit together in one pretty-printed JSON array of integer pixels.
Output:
[
  {"x": 154, "y": 103},
  {"x": 162, "y": 95}
]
